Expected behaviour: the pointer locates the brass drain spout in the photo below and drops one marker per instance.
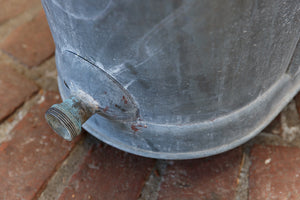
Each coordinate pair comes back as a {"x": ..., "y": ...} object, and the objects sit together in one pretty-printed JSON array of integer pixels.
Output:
[{"x": 67, "y": 117}]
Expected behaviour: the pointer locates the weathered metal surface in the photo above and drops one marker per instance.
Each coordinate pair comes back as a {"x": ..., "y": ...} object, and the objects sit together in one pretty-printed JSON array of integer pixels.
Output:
[{"x": 177, "y": 79}]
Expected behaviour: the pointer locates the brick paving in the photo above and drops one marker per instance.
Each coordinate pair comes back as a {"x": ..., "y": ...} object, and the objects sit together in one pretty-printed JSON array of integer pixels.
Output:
[
  {"x": 101, "y": 177},
  {"x": 31, "y": 43},
  {"x": 210, "y": 178},
  {"x": 274, "y": 173},
  {"x": 32, "y": 155},
  {"x": 13, "y": 8},
  {"x": 14, "y": 90},
  {"x": 36, "y": 164}
]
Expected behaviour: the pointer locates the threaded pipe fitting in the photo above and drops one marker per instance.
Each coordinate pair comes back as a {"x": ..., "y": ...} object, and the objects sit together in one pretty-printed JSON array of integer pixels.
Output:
[{"x": 67, "y": 118}]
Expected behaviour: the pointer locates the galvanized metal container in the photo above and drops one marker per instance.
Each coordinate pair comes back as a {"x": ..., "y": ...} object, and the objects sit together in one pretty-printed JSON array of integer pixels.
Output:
[{"x": 177, "y": 79}]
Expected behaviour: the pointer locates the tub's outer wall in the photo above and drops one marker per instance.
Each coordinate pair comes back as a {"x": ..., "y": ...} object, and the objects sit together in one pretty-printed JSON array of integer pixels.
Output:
[{"x": 205, "y": 76}]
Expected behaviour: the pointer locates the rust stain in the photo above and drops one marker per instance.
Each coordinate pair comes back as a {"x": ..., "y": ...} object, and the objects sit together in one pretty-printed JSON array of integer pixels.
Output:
[
  {"x": 134, "y": 128},
  {"x": 119, "y": 107},
  {"x": 105, "y": 109},
  {"x": 125, "y": 100}
]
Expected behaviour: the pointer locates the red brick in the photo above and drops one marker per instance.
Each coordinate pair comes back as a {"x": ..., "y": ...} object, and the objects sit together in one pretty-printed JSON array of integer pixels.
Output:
[
  {"x": 14, "y": 90},
  {"x": 30, "y": 158},
  {"x": 12, "y": 8},
  {"x": 30, "y": 43},
  {"x": 274, "y": 173},
  {"x": 210, "y": 178},
  {"x": 108, "y": 173}
]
